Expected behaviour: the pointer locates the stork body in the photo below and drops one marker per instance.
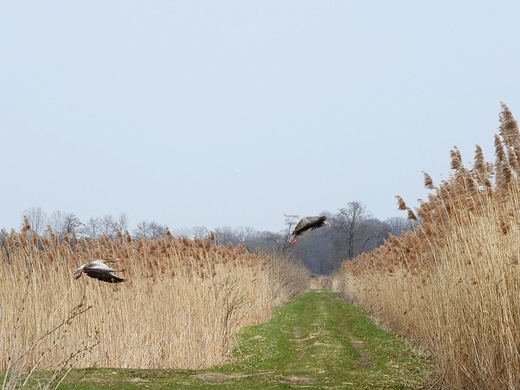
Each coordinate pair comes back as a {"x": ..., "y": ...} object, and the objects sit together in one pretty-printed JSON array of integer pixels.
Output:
[
  {"x": 307, "y": 224},
  {"x": 99, "y": 270}
]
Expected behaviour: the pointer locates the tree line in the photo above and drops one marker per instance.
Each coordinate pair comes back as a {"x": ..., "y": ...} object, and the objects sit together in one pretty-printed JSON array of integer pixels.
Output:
[
  {"x": 62, "y": 223},
  {"x": 352, "y": 231}
]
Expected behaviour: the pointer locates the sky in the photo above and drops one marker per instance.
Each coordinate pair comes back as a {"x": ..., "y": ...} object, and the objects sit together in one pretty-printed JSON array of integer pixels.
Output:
[{"x": 234, "y": 113}]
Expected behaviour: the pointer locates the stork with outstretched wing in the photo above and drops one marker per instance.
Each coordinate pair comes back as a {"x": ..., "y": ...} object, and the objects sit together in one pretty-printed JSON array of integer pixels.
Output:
[
  {"x": 99, "y": 270},
  {"x": 307, "y": 224}
]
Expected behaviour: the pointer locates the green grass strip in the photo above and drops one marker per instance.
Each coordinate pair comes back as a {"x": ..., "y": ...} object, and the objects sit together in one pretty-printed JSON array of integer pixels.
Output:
[{"x": 319, "y": 340}]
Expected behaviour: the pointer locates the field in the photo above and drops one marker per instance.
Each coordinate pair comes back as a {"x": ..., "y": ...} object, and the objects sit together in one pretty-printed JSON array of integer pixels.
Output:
[
  {"x": 452, "y": 285},
  {"x": 314, "y": 341},
  {"x": 181, "y": 305}
]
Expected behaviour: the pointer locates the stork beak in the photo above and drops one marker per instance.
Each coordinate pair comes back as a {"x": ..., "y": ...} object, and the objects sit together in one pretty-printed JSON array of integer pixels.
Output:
[
  {"x": 326, "y": 223},
  {"x": 293, "y": 241}
]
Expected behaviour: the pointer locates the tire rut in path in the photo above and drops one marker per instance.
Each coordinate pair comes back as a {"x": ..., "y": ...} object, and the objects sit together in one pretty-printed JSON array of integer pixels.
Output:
[
  {"x": 322, "y": 340},
  {"x": 318, "y": 340}
]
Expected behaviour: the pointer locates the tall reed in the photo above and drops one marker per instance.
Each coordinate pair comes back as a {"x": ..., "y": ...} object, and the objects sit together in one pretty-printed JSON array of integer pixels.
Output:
[
  {"x": 181, "y": 304},
  {"x": 452, "y": 285}
]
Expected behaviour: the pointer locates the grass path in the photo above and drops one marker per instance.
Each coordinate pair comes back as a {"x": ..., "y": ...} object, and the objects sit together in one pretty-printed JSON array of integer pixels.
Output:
[
  {"x": 316, "y": 341},
  {"x": 320, "y": 341}
]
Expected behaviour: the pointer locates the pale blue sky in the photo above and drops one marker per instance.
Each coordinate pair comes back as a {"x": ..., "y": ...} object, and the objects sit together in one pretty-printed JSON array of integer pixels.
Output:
[{"x": 232, "y": 113}]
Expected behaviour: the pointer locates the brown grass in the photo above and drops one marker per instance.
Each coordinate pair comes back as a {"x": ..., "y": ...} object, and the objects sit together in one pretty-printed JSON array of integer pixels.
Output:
[
  {"x": 452, "y": 286},
  {"x": 181, "y": 305}
]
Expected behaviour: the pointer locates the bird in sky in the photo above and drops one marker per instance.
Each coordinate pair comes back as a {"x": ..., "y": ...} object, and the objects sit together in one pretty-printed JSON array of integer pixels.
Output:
[
  {"x": 307, "y": 224},
  {"x": 99, "y": 270}
]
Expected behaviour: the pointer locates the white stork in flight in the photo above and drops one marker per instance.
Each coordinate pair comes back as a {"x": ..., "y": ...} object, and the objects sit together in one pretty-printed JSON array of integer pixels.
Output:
[
  {"x": 99, "y": 270},
  {"x": 307, "y": 224}
]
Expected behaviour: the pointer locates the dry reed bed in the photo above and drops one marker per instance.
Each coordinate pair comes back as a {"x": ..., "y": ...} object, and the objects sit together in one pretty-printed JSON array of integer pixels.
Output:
[
  {"x": 181, "y": 305},
  {"x": 453, "y": 285}
]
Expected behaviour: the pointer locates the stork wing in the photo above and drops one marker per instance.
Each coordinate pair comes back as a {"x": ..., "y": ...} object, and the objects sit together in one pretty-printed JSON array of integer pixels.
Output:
[
  {"x": 103, "y": 275},
  {"x": 307, "y": 223},
  {"x": 101, "y": 271}
]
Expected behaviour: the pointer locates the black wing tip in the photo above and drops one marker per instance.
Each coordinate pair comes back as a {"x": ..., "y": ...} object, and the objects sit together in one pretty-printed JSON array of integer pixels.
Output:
[
  {"x": 104, "y": 277},
  {"x": 113, "y": 279}
]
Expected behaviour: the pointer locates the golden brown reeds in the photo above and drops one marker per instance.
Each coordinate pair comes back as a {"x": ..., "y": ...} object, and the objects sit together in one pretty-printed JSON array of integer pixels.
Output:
[
  {"x": 180, "y": 306},
  {"x": 451, "y": 284}
]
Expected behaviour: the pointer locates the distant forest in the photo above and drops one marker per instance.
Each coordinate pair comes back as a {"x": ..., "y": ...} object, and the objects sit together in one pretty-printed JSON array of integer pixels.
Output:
[{"x": 352, "y": 231}]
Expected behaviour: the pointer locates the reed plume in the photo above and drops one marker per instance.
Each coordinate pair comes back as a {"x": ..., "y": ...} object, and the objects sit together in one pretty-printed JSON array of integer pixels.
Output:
[
  {"x": 508, "y": 128},
  {"x": 481, "y": 168},
  {"x": 428, "y": 181},
  {"x": 401, "y": 203},
  {"x": 456, "y": 159}
]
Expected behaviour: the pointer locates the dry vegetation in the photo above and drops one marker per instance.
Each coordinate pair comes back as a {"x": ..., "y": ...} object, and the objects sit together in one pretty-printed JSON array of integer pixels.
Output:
[
  {"x": 453, "y": 285},
  {"x": 181, "y": 305}
]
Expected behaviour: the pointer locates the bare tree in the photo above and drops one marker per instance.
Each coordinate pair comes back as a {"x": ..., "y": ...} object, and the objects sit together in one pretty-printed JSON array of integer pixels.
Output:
[
  {"x": 281, "y": 241},
  {"x": 122, "y": 222},
  {"x": 247, "y": 236},
  {"x": 37, "y": 219},
  {"x": 251, "y": 238},
  {"x": 198, "y": 232},
  {"x": 91, "y": 229},
  {"x": 61, "y": 222},
  {"x": 149, "y": 230},
  {"x": 226, "y": 235},
  {"x": 398, "y": 225},
  {"x": 108, "y": 226},
  {"x": 374, "y": 233},
  {"x": 350, "y": 223}
]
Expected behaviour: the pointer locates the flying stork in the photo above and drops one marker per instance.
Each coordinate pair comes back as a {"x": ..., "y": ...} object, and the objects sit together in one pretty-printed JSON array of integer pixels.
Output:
[
  {"x": 307, "y": 224},
  {"x": 99, "y": 270}
]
